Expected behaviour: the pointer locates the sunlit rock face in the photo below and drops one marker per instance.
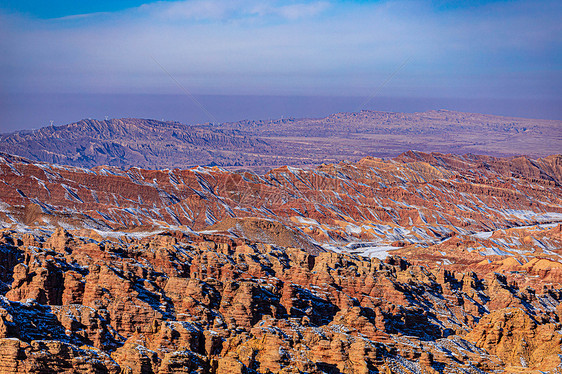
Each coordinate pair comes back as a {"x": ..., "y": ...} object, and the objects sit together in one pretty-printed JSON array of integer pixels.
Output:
[
  {"x": 425, "y": 263},
  {"x": 414, "y": 198}
]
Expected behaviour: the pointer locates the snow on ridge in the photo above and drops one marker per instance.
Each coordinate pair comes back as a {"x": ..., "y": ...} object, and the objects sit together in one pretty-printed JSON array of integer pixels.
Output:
[{"x": 529, "y": 215}]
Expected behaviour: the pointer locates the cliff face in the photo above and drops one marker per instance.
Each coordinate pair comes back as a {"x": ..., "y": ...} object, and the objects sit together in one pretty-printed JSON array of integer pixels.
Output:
[{"x": 425, "y": 263}]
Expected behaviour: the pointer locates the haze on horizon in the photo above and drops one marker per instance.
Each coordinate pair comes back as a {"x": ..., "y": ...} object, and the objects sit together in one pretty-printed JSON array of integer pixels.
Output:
[{"x": 66, "y": 60}]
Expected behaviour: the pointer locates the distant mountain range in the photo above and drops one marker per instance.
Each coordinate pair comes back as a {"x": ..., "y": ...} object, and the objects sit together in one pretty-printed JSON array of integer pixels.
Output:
[{"x": 260, "y": 145}]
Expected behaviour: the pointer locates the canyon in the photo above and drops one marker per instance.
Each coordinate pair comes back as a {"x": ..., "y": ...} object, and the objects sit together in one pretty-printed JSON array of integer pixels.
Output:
[{"x": 423, "y": 263}]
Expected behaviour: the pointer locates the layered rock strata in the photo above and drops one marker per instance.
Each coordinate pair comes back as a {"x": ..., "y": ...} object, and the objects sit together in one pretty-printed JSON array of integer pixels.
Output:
[{"x": 176, "y": 302}]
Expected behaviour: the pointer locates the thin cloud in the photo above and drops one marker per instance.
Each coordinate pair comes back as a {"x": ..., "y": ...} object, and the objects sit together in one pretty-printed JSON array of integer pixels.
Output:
[
  {"x": 288, "y": 47},
  {"x": 297, "y": 11},
  {"x": 223, "y": 10},
  {"x": 191, "y": 10},
  {"x": 77, "y": 17}
]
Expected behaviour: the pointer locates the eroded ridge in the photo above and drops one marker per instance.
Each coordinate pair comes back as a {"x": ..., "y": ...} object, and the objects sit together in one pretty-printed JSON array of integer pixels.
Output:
[
  {"x": 175, "y": 302},
  {"x": 425, "y": 263}
]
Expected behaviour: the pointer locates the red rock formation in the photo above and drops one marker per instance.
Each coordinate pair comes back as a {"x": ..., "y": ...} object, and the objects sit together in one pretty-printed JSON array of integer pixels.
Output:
[
  {"x": 181, "y": 303},
  {"x": 476, "y": 248},
  {"x": 418, "y": 198}
]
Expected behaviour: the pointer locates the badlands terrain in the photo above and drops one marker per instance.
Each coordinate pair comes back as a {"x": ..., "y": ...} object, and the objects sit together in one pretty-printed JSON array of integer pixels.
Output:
[
  {"x": 423, "y": 263},
  {"x": 261, "y": 145}
]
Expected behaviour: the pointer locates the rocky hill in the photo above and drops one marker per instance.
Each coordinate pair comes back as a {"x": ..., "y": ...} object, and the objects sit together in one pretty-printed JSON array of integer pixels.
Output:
[
  {"x": 127, "y": 142},
  {"x": 426, "y": 263},
  {"x": 261, "y": 145}
]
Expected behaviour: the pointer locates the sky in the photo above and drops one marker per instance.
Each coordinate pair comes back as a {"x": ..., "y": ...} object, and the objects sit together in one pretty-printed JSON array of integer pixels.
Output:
[{"x": 477, "y": 51}]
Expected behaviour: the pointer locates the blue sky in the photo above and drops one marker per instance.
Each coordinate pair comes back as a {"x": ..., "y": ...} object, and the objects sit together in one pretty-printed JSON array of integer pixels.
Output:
[
  {"x": 62, "y": 8},
  {"x": 452, "y": 49}
]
